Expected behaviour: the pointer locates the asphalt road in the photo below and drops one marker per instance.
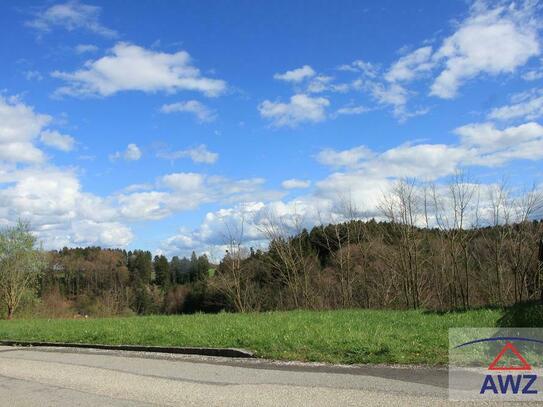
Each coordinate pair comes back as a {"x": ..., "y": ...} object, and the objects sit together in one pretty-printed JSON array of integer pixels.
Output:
[{"x": 72, "y": 377}]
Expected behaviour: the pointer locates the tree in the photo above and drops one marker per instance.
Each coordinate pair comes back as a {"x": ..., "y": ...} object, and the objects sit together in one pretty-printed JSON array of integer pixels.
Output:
[
  {"x": 20, "y": 265},
  {"x": 162, "y": 272},
  {"x": 232, "y": 279},
  {"x": 403, "y": 207}
]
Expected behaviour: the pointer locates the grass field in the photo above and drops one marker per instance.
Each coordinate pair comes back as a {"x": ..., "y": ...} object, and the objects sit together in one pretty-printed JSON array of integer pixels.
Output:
[{"x": 346, "y": 336}]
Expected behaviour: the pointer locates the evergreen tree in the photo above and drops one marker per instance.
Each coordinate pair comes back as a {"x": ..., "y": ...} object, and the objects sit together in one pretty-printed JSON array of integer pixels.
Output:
[{"x": 162, "y": 272}]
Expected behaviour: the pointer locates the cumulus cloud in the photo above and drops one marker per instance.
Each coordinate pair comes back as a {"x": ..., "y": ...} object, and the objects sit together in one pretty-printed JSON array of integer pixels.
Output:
[
  {"x": 525, "y": 106},
  {"x": 50, "y": 198},
  {"x": 295, "y": 183},
  {"x": 479, "y": 144},
  {"x": 411, "y": 65},
  {"x": 19, "y": 127},
  {"x": 250, "y": 222},
  {"x": 396, "y": 96},
  {"x": 184, "y": 191},
  {"x": 109, "y": 234},
  {"x": 71, "y": 16},
  {"x": 346, "y": 158},
  {"x": 60, "y": 213},
  {"x": 156, "y": 71},
  {"x": 198, "y": 109},
  {"x": 57, "y": 140},
  {"x": 497, "y": 146},
  {"x": 401, "y": 161},
  {"x": 199, "y": 154},
  {"x": 296, "y": 75},
  {"x": 132, "y": 153},
  {"x": 490, "y": 41},
  {"x": 300, "y": 109},
  {"x": 246, "y": 223}
]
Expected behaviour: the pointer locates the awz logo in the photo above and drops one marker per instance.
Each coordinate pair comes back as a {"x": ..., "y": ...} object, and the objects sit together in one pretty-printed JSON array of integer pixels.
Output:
[{"x": 509, "y": 383}]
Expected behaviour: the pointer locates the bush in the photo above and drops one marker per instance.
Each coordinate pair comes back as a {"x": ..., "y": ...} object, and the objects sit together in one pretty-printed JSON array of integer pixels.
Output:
[
  {"x": 529, "y": 315},
  {"x": 175, "y": 299}
]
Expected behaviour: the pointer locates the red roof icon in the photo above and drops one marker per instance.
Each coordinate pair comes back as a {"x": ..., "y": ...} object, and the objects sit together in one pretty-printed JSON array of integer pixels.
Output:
[{"x": 524, "y": 365}]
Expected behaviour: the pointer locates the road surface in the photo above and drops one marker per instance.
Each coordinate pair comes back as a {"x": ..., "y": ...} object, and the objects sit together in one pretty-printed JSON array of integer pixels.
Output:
[{"x": 73, "y": 377}]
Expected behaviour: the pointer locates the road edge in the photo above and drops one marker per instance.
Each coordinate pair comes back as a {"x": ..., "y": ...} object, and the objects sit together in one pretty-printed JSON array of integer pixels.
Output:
[{"x": 220, "y": 352}]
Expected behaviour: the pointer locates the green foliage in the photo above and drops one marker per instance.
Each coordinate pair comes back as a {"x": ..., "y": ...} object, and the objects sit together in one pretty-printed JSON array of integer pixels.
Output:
[{"x": 21, "y": 265}]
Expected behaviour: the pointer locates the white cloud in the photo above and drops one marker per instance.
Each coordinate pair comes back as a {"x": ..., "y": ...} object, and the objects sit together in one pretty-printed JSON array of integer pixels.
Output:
[
  {"x": 386, "y": 87},
  {"x": 295, "y": 183},
  {"x": 132, "y": 153},
  {"x": 490, "y": 41},
  {"x": 21, "y": 152},
  {"x": 393, "y": 95},
  {"x": 71, "y": 16},
  {"x": 346, "y": 158},
  {"x": 19, "y": 126},
  {"x": 401, "y": 161},
  {"x": 156, "y": 71},
  {"x": 366, "y": 68},
  {"x": 533, "y": 75},
  {"x": 184, "y": 191},
  {"x": 150, "y": 205},
  {"x": 50, "y": 198},
  {"x": 319, "y": 84},
  {"x": 108, "y": 234},
  {"x": 405, "y": 161},
  {"x": 411, "y": 65},
  {"x": 479, "y": 144},
  {"x": 528, "y": 107},
  {"x": 300, "y": 109},
  {"x": 85, "y": 48},
  {"x": 215, "y": 229},
  {"x": 199, "y": 154},
  {"x": 198, "y": 109},
  {"x": 296, "y": 75},
  {"x": 352, "y": 110},
  {"x": 184, "y": 181},
  {"x": 496, "y": 147},
  {"x": 56, "y": 140},
  {"x": 487, "y": 136},
  {"x": 59, "y": 212}
]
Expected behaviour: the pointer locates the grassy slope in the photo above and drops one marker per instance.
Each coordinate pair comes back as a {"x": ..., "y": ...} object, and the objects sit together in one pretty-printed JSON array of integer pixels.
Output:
[{"x": 347, "y": 336}]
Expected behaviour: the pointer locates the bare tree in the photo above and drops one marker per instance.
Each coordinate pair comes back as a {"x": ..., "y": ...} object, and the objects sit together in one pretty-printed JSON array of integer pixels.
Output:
[
  {"x": 522, "y": 249},
  {"x": 232, "y": 278},
  {"x": 500, "y": 219},
  {"x": 456, "y": 212},
  {"x": 289, "y": 257},
  {"x": 403, "y": 208},
  {"x": 343, "y": 238}
]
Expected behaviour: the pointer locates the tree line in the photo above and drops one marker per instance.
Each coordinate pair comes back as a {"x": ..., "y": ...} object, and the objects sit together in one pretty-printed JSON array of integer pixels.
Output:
[{"x": 433, "y": 247}]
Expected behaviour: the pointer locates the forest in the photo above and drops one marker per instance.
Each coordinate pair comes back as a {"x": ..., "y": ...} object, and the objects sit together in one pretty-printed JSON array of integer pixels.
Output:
[{"x": 425, "y": 252}]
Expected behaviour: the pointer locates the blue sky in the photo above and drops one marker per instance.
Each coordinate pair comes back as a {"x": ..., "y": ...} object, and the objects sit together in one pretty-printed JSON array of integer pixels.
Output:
[{"x": 162, "y": 125}]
